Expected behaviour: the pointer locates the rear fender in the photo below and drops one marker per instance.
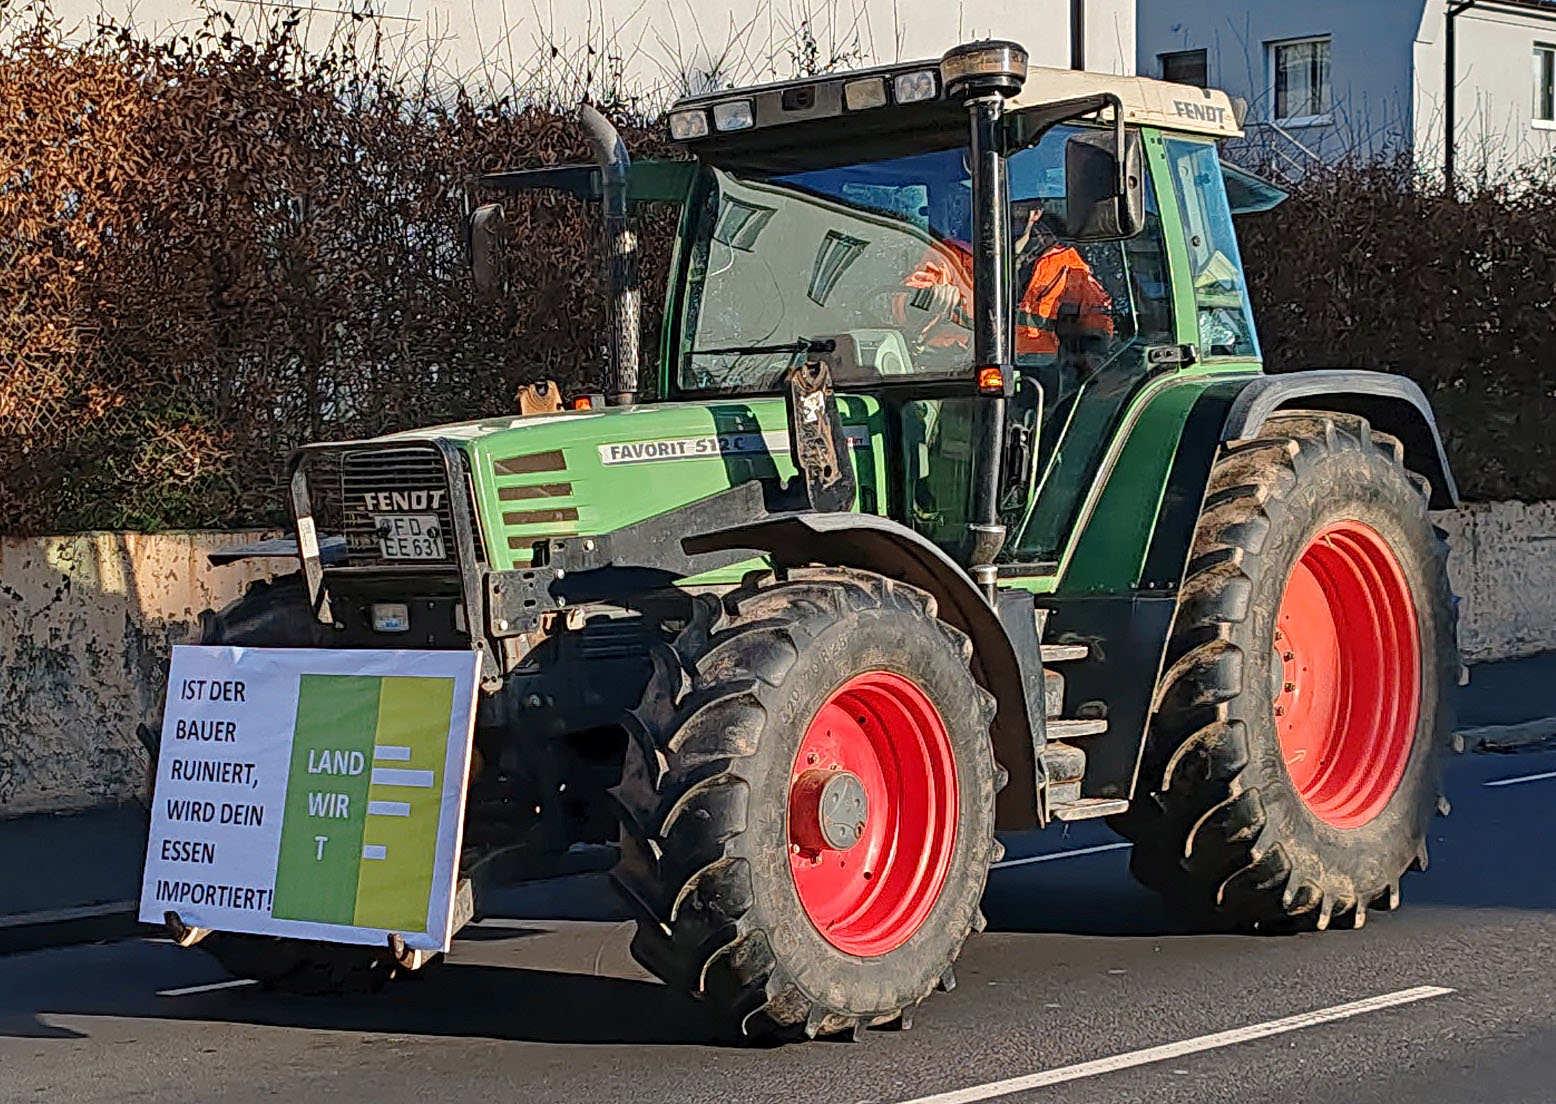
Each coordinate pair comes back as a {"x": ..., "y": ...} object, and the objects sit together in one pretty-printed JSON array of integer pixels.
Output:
[
  {"x": 1126, "y": 626},
  {"x": 871, "y": 543},
  {"x": 1391, "y": 403}
]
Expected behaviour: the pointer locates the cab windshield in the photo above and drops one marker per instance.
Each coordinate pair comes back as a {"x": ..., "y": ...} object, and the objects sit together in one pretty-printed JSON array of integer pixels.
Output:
[{"x": 788, "y": 265}]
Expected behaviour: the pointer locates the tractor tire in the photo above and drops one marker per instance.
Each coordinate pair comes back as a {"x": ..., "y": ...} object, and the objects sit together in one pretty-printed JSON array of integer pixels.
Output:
[
  {"x": 276, "y": 615},
  {"x": 781, "y": 714},
  {"x": 1294, "y": 755}
]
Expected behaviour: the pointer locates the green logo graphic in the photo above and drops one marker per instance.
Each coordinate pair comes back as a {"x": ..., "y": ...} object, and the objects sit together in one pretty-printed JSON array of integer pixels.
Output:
[{"x": 359, "y": 834}]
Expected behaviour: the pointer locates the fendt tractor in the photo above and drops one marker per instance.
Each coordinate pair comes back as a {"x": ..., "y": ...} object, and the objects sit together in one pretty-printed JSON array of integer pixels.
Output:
[{"x": 964, "y": 506}]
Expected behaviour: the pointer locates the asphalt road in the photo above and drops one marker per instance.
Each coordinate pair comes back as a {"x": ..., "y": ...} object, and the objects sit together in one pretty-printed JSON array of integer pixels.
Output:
[{"x": 1083, "y": 987}]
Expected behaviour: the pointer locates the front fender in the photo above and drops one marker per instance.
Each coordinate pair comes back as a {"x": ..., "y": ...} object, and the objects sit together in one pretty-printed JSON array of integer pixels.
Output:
[{"x": 871, "y": 543}]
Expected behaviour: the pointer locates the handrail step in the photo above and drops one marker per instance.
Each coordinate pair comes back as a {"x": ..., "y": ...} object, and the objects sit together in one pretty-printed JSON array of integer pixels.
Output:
[
  {"x": 1060, "y": 653},
  {"x": 1070, "y": 730},
  {"x": 1088, "y": 808}
]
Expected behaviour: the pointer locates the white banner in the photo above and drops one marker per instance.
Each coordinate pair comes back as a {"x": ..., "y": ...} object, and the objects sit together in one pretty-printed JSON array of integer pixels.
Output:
[{"x": 312, "y": 793}]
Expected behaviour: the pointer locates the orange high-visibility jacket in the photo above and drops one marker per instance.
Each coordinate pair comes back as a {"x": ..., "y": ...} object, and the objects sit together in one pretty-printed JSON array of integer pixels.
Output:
[{"x": 1061, "y": 284}]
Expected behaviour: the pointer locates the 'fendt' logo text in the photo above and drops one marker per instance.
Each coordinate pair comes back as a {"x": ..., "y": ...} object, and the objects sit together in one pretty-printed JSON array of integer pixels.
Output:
[
  {"x": 404, "y": 500},
  {"x": 1205, "y": 113}
]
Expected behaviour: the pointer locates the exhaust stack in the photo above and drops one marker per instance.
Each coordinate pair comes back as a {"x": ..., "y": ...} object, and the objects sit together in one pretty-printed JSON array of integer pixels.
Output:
[{"x": 623, "y": 337}]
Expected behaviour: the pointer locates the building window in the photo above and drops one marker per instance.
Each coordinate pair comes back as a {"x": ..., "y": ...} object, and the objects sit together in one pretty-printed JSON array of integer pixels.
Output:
[
  {"x": 1185, "y": 67},
  {"x": 1545, "y": 84},
  {"x": 1300, "y": 89}
]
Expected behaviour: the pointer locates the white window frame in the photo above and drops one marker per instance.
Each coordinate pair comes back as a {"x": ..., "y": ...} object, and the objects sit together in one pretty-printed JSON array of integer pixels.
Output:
[
  {"x": 1539, "y": 48},
  {"x": 1269, "y": 89}
]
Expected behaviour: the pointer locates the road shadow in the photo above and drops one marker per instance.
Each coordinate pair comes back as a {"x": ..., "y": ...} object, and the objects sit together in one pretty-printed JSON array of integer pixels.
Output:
[
  {"x": 513, "y": 1004},
  {"x": 1080, "y": 906},
  {"x": 455, "y": 1000}
]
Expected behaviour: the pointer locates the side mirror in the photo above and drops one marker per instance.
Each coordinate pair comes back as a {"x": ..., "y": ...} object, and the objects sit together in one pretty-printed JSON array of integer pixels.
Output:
[
  {"x": 1104, "y": 199},
  {"x": 486, "y": 234}
]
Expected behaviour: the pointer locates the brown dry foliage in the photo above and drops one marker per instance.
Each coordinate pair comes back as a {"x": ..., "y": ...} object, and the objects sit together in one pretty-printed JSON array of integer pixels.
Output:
[{"x": 213, "y": 250}]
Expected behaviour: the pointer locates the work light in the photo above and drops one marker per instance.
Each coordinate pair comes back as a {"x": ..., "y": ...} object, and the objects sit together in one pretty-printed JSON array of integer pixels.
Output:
[
  {"x": 734, "y": 115},
  {"x": 685, "y": 125},
  {"x": 915, "y": 87},
  {"x": 860, "y": 95}
]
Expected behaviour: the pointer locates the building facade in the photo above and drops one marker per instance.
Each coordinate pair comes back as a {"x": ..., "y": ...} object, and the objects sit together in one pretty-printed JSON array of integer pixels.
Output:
[
  {"x": 658, "y": 49},
  {"x": 1330, "y": 78}
]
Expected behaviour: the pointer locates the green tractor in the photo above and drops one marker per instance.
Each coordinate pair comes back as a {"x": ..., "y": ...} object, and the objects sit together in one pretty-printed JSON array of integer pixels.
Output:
[{"x": 965, "y": 507}]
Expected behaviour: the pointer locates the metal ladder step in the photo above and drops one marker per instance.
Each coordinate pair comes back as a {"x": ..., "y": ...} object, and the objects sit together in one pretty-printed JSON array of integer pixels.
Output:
[
  {"x": 1060, "y": 653},
  {"x": 1053, "y": 694},
  {"x": 1088, "y": 808},
  {"x": 1072, "y": 729}
]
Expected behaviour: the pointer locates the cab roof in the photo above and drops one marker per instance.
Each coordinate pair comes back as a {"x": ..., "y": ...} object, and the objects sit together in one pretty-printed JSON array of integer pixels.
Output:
[{"x": 1146, "y": 101}]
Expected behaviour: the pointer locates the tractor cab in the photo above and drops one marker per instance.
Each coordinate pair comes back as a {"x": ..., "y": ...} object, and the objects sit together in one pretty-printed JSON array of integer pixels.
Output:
[{"x": 974, "y": 250}]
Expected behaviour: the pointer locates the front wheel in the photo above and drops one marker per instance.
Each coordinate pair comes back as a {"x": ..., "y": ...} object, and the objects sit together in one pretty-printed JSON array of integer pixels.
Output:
[
  {"x": 1294, "y": 754},
  {"x": 808, "y": 804}
]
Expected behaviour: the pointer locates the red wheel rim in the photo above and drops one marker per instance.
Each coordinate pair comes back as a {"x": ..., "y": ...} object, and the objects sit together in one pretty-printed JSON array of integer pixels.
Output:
[
  {"x": 1347, "y": 674},
  {"x": 879, "y": 736}
]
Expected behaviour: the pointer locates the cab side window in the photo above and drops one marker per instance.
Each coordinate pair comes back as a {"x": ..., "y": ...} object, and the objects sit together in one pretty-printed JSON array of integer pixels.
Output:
[{"x": 1215, "y": 266}]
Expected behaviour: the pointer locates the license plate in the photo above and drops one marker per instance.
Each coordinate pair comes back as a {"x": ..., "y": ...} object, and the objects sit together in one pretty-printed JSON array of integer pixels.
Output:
[{"x": 409, "y": 536}]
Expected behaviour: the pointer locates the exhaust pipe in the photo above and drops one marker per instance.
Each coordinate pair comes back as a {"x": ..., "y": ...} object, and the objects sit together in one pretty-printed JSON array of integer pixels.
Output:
[{"x": 621, "y": 259}]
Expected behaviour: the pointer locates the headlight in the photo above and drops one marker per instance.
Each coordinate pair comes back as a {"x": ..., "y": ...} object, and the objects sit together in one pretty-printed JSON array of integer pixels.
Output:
[
  {"x": 980, "y": 67},
  {"x": 686, "y": 125},
  {"x": 734, "y": 115},
  {"x": 916, "y": 87}
]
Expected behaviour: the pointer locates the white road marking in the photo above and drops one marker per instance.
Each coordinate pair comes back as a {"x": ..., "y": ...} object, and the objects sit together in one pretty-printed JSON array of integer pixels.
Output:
[
  {"x": 1523, "y": 778},
  {"x": 389, "y": 808},
  {"x": 1161, "y": 1053},
  {"x": 389, "y": 776},
  {"x": 1052, "y": 855},
  {"x": 374, "y": 851},
  {"x": 391, "y": 753},
  {"x": 191, "y": 990}
]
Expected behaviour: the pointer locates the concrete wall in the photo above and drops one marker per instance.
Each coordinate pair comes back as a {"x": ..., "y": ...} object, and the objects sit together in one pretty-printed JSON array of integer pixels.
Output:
[
  {"x": 86, "y": 624},
  {"x": 1389, "y": 72},
  {"x": 661, "y": 48},
  {"x": 1503, "y": 568}
]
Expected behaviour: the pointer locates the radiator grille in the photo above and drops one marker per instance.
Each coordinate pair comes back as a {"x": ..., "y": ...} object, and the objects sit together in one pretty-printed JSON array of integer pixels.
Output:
[{"x": 349, "y": 488}]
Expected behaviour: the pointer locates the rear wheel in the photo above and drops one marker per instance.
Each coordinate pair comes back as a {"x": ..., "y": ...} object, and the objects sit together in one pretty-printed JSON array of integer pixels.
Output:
[
  {"x": 808, "y": 804},
  {"x": 1294, "y": 756},
  {"x": 276, "y": 615}
]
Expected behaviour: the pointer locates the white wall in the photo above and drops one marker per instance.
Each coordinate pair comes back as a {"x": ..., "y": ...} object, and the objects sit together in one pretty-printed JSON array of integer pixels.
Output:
[
  {"x": 657, "y": 48},
  {"x": 1371, "y": 58},
  {"x": 1388, "y": 72},
  {"x": 1494, "y": 113}
]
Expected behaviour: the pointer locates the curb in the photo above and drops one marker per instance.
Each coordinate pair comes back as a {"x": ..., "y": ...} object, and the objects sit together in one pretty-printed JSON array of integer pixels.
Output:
[
  {"x": 1504, "y": 739},
  {"x": 32, "y": 931}
]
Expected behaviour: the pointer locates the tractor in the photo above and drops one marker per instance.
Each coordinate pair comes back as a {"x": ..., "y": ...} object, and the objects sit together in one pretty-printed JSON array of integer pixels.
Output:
[{"x": 963, "y": 505}]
